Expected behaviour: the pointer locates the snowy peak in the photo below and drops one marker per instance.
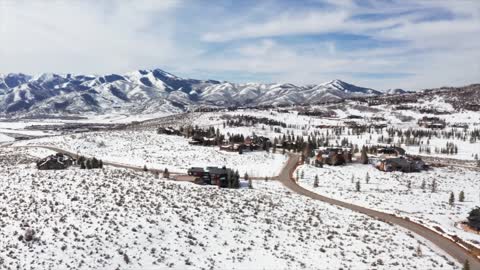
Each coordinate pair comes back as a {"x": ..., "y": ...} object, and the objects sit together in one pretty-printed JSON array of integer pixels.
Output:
[
  {"x": 149, "y": 90},
  {"x": 396, "y": 91},
  {"x": 12, "y": 80},
  {"x": 350, "y": 88}
]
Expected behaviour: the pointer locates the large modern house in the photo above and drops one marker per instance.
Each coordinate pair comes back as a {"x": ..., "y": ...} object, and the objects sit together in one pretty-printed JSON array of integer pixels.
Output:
[{"x": 210, "y": 175}]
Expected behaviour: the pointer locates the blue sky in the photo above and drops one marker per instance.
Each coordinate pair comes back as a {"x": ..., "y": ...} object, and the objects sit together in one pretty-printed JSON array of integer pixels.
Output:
[{"x": 376, "y": 43}]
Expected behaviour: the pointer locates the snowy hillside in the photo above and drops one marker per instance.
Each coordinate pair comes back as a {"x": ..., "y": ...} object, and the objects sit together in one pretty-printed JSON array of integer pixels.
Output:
[{"x": 119, "y": 219}]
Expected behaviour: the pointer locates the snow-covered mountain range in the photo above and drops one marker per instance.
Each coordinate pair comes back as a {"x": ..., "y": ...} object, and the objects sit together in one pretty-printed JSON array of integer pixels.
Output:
[{"x": 147, "y": 91}]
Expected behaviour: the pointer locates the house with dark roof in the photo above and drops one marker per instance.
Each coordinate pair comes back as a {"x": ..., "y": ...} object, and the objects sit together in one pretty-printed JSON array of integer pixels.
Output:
[
  {"x": 210, "y": 175},
  {"x": 432, "y": 122},
  {"x": 58, "y": 161},
  {"x": 333, "y": 156},
  {"x": 402, "y": 164},
  {"x": 391, "y": 151}
]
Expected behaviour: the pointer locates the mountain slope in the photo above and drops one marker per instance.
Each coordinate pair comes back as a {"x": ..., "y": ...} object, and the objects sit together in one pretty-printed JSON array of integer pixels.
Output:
[{"x": 150, "y": 91}]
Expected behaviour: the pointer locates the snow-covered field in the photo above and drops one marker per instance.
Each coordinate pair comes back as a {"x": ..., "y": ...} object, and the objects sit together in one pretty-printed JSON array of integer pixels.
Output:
[
  {"x": 162, "y": 151},
  {"x": 5, "y": 138},
  {"x": 161, "y": 224},
  {"x": 389, "y": 192},
  {"x": 118, "y": 219}
]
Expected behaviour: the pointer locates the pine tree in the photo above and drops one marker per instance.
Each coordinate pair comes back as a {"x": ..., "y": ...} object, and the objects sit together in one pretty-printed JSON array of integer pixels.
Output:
[
  {"x": 451, "y": 200},
  {"x": 298, "y": 175},
  {"x": 246, "y": 177},
  {"x": 89, "y": 164},
  {"x": 303, "y": 174},
  {"x": 357, "y": 186},
  {"x": 236, "y": 180},
  {"x": 367, "y": 178},
  {"x": 315, "y": 182},
  {"x": 100, "y": 164},
  {"x": 434, "y": 186},
  {"x": 419, "y": 252},
  {"x": 145, "y": 169},
  {"x": 423, "y": 185},
  {"x": 94, "y": 163},
  {"x": 461, "y": 196},
  {"x": 364, "y": 156},
  {"x": 82, "y": 165},
  {"x": 166, "y": 173}
]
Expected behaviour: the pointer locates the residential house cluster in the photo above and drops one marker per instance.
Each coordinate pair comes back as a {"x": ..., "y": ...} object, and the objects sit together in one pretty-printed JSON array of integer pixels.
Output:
[{"x": 250, "y": 143}]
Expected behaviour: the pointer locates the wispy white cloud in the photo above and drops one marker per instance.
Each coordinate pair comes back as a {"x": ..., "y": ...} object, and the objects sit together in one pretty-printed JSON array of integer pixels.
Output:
[
  {"x": 83, "y": 36},
  {"x": 432, "y": 42}
]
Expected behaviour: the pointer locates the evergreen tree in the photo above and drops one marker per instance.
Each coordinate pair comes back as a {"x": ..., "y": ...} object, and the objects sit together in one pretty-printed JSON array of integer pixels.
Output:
[
  {"x": 367, "y": 178},
  {"x": 434, "y": 186},
  {"x": 423, "y": 185},
  {"x": 236, "y": 182},
  {"x": 418, "y": 251},
  {"x": 145, "y": 169},
  {"x": 229, "y": 178},
  {"x": 100, "y": 164},
  {"x": 247, "y": 178},
  {"x": 461, "y": 196},
  {"x": 357, "y": 186},
  {"x": 451, "y": 200},
  {"x": 82, "y": 165},
  {"x": 94, "y": 163},
  {"x": 409, "y": 184},
  {"x": 315, "y": 182},
  {"x": 166, "y": 173},
  {"x": 364, "y": 156},
  {"x": 89, "y": 164},
  {"x": 303, "y": 174}
]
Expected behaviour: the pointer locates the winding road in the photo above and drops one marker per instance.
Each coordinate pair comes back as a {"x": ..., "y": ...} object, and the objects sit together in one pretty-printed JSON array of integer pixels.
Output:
[{"x": 450, "y": 247}]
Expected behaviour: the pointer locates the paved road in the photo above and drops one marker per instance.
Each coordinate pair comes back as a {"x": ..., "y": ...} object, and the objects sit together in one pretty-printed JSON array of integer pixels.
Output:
[{"x": 447, "y": 245}]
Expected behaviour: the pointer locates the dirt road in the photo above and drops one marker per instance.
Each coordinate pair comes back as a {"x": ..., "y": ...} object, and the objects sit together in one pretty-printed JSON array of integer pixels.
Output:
[{"x": 448, "y": 246}]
